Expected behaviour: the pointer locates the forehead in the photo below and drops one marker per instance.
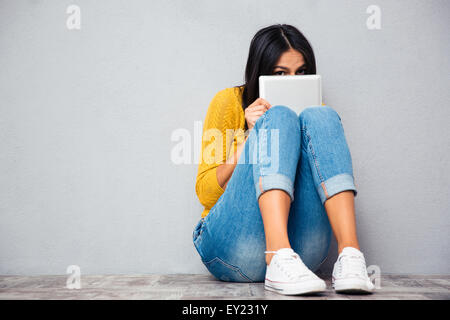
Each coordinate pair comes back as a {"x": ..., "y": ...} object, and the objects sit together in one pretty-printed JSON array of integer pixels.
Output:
[{"x": 291, "y": 57}]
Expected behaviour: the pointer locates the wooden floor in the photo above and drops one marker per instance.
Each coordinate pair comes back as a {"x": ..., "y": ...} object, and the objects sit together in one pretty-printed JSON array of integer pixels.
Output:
[{"x": 202, "y": 287}]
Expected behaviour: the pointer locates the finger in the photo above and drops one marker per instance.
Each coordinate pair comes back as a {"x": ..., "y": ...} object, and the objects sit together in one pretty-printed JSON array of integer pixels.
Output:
[
  {"x": 257, "y": 114},
  {"x": 264, "y": 102},
  {"x": 258, "y": 107},
  {"x": 259, "y": 101}
]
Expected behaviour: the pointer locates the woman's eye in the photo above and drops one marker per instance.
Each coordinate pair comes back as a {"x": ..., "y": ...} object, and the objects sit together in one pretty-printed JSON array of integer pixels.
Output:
[{"x": 282, "y": 72}]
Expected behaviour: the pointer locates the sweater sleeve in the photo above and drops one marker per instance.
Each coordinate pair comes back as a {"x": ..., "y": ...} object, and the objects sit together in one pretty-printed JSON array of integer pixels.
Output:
[{"x": 215, "y": 146}]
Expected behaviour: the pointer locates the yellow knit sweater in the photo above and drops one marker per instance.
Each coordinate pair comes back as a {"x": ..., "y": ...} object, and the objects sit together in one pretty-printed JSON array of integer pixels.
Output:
[
  {"x": 224, "y": 124},
  {"x": 224, "y": 112}
]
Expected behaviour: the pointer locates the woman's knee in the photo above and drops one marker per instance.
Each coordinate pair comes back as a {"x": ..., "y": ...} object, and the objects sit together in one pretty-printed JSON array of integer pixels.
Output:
[
  {"x": 281, "y": 116},
  {"x": 318, "y": 115},
  {"x": 279, "y": 123},
  {"x": 282, "y": 112}
]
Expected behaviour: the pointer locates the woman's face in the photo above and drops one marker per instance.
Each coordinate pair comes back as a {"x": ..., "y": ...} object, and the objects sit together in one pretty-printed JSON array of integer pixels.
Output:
[{"x": 291, "y": 62}]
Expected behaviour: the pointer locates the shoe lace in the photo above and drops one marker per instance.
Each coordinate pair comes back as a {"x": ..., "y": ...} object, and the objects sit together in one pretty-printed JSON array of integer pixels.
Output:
[
  {"x": 292, "y": 265},
  {"x": 353, "y": 265}
]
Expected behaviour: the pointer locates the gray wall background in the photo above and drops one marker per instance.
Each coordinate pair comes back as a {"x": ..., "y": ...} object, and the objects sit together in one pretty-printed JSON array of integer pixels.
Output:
[{"x": 86, "y": 119}]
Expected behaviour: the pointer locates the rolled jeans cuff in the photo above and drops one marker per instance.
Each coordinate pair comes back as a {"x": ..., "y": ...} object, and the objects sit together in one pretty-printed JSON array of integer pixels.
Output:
[
  {"x": 274, "y": 181},
  {"x": 336, "y": 184}
]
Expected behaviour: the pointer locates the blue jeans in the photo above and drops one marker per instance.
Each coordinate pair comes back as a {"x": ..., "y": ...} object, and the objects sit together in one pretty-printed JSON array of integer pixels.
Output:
[{"x": 307, "y": 156}]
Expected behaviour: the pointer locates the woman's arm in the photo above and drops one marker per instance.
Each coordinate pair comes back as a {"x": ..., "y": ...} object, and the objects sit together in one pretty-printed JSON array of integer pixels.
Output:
[
  {"x": 224, "y": 171},
  {"x": 252, "y": 114}
]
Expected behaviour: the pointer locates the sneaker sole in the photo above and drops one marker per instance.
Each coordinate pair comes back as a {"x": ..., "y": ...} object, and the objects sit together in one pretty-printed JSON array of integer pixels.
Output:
[
  {"x": 351, "y": 286},
  {"x": 311, "y": 288}
]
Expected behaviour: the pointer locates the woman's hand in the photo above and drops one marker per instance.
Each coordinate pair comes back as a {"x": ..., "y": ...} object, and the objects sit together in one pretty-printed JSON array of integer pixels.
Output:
[{"x": 256, "y": 110}]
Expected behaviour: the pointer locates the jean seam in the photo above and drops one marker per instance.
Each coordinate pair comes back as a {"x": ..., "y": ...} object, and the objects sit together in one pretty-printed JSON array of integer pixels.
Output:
[
  {"x": 230, "y": 266},
  {"x": 316, "y": 165},
  {"x": 302, "y": 145},
  {"x": 323, "y": 260},
  {"x": 264, "y": 136}
]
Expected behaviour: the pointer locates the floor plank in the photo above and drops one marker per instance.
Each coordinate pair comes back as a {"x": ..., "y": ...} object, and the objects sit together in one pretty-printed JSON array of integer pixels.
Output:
[{"x": 196, "y": 287}]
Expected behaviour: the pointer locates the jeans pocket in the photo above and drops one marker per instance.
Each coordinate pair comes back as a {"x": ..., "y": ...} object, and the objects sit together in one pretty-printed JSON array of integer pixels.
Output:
[{"x": 224, "y": 271}]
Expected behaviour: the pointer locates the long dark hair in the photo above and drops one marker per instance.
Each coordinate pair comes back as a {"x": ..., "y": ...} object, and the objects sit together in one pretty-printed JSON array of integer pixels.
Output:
[{"x": 265, "y": 49}]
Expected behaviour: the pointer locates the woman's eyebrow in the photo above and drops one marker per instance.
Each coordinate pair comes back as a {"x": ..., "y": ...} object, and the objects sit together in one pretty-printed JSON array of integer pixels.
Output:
[{"x": 281, "y": 67}]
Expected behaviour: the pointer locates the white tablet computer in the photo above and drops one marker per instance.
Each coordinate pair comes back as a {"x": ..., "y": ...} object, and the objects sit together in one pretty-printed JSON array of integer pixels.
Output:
[{"x": 294, "y": 91}]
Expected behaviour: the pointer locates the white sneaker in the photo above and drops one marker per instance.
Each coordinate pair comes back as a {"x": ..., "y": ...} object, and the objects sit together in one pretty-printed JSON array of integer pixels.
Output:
[
  {"x": 350, "y": 273},
  {"x": 287, "y": 274}
]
